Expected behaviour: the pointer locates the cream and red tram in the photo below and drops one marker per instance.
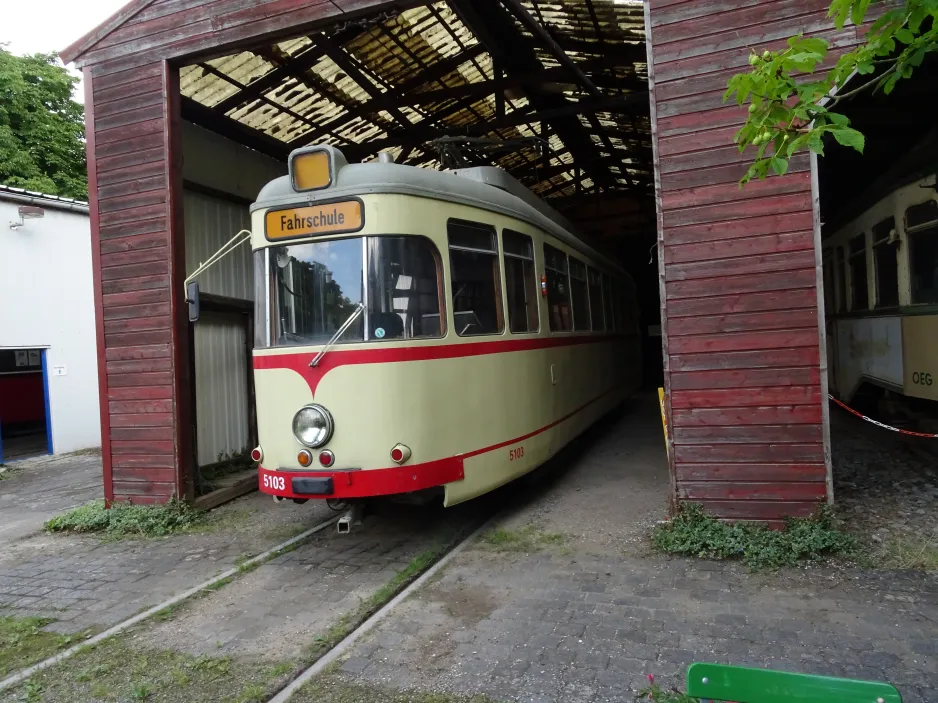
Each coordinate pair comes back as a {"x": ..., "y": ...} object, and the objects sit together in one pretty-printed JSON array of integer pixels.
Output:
[{"x": 429, "y": 331}]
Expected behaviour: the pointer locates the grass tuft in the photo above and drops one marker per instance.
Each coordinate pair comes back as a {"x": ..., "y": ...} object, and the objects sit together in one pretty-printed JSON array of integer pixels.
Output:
[
  {"x": 127, "y": 520},
  {"x": 525, "y": 539},
  {"x": 694, "y": 533},
  {"x": 24, "y": 642},
  {"x": 908, "y": 552},
  {"x": 330, "y": 689}
]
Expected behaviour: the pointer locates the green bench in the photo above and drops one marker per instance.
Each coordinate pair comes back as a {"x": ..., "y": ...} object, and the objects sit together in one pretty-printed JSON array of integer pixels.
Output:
[{"x": 740, "y": 684}]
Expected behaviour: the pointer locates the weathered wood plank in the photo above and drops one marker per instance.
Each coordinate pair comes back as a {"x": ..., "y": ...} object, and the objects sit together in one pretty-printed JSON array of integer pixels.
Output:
[
  {"x": 143, "y": 447},
  {"x": 805, "y": 318},
  {"x": 753, "y": 434},
  {"x": 125, "y": 118},
  {"x": 159, "y": 474},
  {"x": 740, "y": 247},
  {"x": 129, "y": 227},
  {"x": 753, "y": 265},
  {"x": 757, "y": 302},
  {"x": 150, "y": 419},
  {"x": 138, "y": 297},
  {"x": 752, "y": 472},
  {"x": 784, "y": 280},
  {"x": 137, "y": 324},
  {"x": 735, "y": 417},
  {"x": 745, "y": 378},
  {"x": 746, "y": 453},
  {"x": 751, "y": 397},
  {"x": 692, "y": 175},
  {"x": 757, "y": 509},
  {"x": 135, "y": 256},
  {"x": 735, "y": 229},
  {"x": 130, "y": 131},
  {"x": 136, "y": 271},
  {"x": 156, "y": 167},
  {"x": 126, "y": 285},
  {"x": 141, "y": 393},
  {"x": 120, "y": 407},
  {"x": 726, "y": 210},
  {"x": 145, "y": 434},
  {"x": 137, "y": 311},
  {"x": 133, "y": 243},
  {"x": 747, "y": 491},
  {"x": 795, "y": 356},
  {"x": 143, "y": 338},
  {"x": 743, "y": 341},
  {"x": 134, "y": 201}
]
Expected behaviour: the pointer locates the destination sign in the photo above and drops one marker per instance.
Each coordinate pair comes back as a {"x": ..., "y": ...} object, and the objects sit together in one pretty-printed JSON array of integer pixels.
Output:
[{"x": 329, "y": 218}]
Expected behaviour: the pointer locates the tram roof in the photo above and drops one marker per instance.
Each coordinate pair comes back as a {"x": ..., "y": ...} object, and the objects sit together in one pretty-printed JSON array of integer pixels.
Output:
[{"x": 485, "y": 187}]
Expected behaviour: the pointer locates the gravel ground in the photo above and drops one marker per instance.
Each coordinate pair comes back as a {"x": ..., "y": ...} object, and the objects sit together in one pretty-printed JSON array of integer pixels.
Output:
[
  {"x": 885, "y": 487},
  {"x": 603, "y": 492}
]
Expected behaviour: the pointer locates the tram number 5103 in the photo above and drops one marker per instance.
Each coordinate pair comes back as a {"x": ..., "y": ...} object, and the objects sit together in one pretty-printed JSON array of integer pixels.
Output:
[
  {"x": 516, "y": 453},
  {"x": 278, "y": 483}
]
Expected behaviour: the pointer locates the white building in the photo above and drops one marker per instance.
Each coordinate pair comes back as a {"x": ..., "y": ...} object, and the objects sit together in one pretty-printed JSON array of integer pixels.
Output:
[{"x": 48, "y": 348}]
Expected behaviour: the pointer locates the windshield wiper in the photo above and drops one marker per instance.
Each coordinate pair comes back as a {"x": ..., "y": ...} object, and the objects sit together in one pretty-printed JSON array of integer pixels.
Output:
[{"x": 338, "y": 333}]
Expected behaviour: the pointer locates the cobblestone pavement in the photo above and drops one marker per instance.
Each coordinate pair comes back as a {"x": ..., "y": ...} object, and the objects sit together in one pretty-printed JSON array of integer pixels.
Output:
[
  {"x": 43, "y": 487},
  {"x": 276, "y": 611},
  {"x": 571, "y": 628},
  {"x": 84, "y": 582},
  {"x": 587, "y": 623}
]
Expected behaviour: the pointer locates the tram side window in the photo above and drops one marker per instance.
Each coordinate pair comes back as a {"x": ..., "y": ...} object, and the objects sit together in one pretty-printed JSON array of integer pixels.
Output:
[
  {"x": 596, "y": 300},
  {"x": 841, "y": 273},
  {"x": 921, "y": 224},
  {"x": 607, "y": 302},
  {"x": 580, "y": 293},
  {"x": 404, "y": 288},
  {"x": 477, "y": 295},
  {"x": 520, "y": 282},
  {"x": 558, "y": 289},
  {"x": 617, "y": 304},
  {"x": 886, "y": 264},
  {"x": 923, "y": 258},
  {"x": 827, "y": 267},
  {"x": 859, "y": 292}
]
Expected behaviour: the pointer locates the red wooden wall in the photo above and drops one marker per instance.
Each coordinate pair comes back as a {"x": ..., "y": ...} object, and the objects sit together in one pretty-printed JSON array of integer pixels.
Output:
[
  {"x": 134, "y": 173},
  {"x": 739, "y": 270}
]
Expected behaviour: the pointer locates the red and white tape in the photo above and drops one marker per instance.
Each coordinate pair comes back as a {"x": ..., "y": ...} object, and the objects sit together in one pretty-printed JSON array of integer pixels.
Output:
[{"x": 880, "y": 424}]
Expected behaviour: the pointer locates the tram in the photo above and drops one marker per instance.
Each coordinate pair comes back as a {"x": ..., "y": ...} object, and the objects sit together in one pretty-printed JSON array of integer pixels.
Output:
[
  {"x": 425, "y": 333},
  {"x": 881, "y": 299}
]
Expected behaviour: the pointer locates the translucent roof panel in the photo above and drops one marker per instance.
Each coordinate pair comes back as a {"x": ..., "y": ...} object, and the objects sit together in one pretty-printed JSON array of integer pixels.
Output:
[{"x": 422, "y": 84}]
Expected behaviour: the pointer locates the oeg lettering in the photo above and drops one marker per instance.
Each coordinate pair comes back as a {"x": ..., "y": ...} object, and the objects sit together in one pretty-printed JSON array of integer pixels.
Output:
[{"x": 322, "y": 219}]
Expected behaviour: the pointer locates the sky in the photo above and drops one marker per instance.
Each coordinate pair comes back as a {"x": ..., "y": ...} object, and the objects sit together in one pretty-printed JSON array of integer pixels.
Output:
[{"x": 33, "y": 26}]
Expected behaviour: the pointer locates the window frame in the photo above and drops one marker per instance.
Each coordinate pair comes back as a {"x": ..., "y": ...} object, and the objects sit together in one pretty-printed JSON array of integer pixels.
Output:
[
  {"x": 566, "y": 275},
  {"x": 879, "y": 245},
  {"x": 536, "y": 292},
  {"x": 500, "y": 312},
  {"x": 851, "y": 257},
  {"x": 571, "y": 261}
]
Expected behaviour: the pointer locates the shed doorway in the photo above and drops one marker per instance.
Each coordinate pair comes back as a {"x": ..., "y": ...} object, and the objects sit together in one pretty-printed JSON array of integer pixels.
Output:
[{"x": 25, "y": 419}]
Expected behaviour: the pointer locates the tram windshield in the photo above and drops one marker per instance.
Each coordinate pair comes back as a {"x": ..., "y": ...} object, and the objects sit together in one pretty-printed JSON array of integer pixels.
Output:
[{"x": 315, "y": 287}]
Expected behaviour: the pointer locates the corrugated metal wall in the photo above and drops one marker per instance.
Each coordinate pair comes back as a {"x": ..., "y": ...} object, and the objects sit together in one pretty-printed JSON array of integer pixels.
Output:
[
  {"x": 222, "y": 404},
  {"x": 221, "y": 394},
  {"x": 210, "y": 222}
]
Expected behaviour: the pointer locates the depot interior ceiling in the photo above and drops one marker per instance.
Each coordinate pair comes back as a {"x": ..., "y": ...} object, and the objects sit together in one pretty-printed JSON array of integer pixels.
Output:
[{"x": 555, "y": 93}]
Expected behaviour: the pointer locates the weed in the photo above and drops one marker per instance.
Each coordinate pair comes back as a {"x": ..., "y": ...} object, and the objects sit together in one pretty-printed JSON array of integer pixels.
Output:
[
  {"x": 694, "y": 533},
  {"x": 908, "y": 552},
  {"x": 180, "y": 678},
  {"x": 655, "y": 694},
  {"x": 92, "y": 672},
  {"x": 100, "y": 691},
  {"x": 33, "y": 691},
  {"x": 140, "y": 691},
  {"x": 281, "y": 669},
  {"x": 524, "y": 539},
  {"x": 252, "y": 694},
  {"x": 211, "y": 665},
  {"x": 127, "y": 520},
  {"x": 24, "y": 642}
]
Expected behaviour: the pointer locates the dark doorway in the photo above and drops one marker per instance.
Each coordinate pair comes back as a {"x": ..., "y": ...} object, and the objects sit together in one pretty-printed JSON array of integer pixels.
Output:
[{"x": 25, "y": 423}]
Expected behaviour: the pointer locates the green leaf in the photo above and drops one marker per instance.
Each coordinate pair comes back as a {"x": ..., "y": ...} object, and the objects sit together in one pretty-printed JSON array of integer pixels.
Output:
[
  {"x": 858, "y": 13},
  {"x": 779, "y": 165},
  {"x": 847, "y": 136},
  {"x": 838, "y": 119}
]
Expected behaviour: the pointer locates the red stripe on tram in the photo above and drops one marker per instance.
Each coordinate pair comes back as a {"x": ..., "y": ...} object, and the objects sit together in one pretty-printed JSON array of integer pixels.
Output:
[
  {"x": 396, "y": 479},
  {"x": 334, "y": 358}
]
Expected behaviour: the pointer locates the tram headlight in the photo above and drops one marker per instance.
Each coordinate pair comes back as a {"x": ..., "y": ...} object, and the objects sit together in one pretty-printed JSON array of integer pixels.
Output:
[{"x": 312, "y": 426}]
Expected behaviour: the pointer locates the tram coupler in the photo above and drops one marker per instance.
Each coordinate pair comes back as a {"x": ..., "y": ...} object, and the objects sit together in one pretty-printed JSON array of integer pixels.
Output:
[{"x": 352, "y": 518}]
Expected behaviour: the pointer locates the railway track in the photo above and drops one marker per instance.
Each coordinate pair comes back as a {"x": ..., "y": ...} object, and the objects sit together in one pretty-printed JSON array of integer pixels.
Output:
[{"x": 357, "y": 628}]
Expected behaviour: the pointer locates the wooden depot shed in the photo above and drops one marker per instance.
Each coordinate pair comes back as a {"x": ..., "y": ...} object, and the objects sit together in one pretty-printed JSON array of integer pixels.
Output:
[{"x": 614, "y": 112}]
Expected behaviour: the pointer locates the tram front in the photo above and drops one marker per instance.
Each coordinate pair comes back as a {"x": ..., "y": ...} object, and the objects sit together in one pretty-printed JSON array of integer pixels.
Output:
[{"x": 348, "y": 291}]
